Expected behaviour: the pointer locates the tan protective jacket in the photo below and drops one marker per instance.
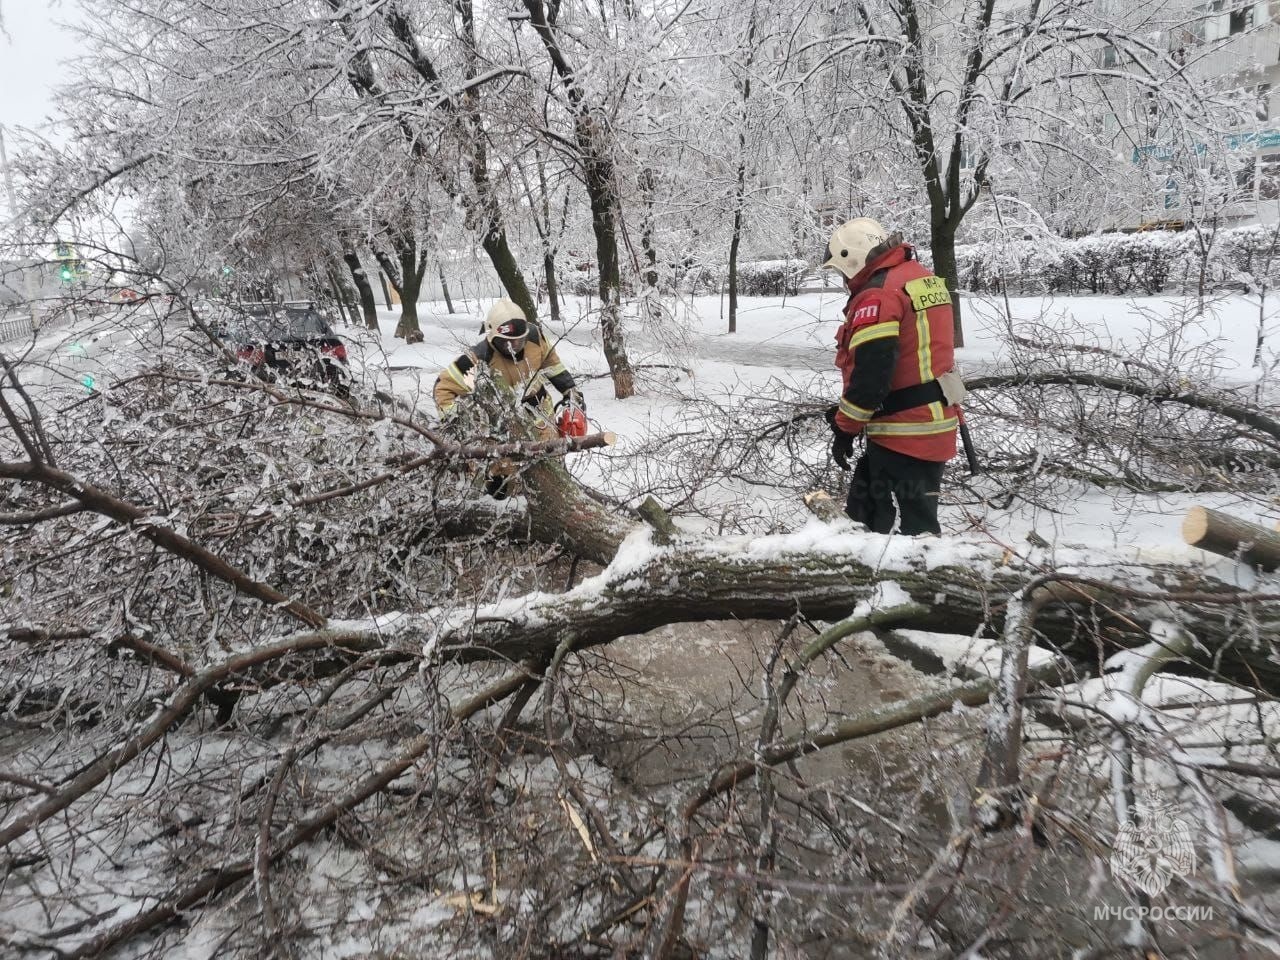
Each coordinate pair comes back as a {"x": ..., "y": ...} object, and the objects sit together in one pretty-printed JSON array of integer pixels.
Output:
[{"x": 527, "y": 376}]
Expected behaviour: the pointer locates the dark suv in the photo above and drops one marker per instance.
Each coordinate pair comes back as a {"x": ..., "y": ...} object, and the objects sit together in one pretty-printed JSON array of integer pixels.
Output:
[{"x": 291, "y": 340}]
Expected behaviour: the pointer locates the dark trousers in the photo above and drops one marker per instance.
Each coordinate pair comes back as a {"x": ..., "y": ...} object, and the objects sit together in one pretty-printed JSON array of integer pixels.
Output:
[{"x": 886, "y": 484}]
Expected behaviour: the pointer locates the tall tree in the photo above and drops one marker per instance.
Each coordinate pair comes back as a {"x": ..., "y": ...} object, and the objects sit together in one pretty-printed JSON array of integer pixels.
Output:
[
  {"x": 961, "y": 77},
  {"x": 463, "y": 111},
  {"x": 740, "y": 191},
  {"x": 591, "y": 133}
]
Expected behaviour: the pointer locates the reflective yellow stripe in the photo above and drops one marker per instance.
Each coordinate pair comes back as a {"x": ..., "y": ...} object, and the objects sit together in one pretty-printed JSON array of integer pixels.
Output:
[
  {"x": 924, "y": 293},
  {"x": 555, "y": 370},
  {"x": 924, "y": 350},
  {"x": 882, "y": 429},
  {"x": 456, "y": 376},
  {"x": 877, "y": 331},
  {"x": 855, "y": 412}
]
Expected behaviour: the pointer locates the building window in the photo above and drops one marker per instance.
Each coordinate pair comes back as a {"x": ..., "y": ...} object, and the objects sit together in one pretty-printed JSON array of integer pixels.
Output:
[
  {"x": 1227, "y": 18},
  {"x": 1262, "y": 106},
  {"x": 1241, "y": 20},
  {"x": 1247, "y": 177},
  {"x": 1108, "y": 57},
  {"x": 1269, "y": 178}
]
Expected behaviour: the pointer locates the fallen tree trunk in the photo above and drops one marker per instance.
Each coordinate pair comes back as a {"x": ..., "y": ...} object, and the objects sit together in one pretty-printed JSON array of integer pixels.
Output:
[
  {"x": 1232, "y": 537},
  {"x": 561, "y": 512},
  {"x": 824, "y": 571}
]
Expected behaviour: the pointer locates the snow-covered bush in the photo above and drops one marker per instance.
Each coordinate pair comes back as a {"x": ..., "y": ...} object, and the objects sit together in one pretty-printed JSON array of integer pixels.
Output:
[
  {"x": 695, "y": 277},
  {"x": 579, "y": 283},
  {"x": 770, "y": 278},
  {"x": 1123, "y": 264}
]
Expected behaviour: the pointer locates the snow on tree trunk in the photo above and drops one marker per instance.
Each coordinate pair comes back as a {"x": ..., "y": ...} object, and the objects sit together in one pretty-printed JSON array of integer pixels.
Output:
[{"x": 368, "y": 308}]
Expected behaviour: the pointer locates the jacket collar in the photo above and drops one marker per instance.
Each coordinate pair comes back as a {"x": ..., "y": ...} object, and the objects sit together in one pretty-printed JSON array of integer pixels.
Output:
[{"x": 890, "y": 258}]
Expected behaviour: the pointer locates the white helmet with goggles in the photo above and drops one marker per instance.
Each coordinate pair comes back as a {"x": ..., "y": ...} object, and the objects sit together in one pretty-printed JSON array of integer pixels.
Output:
[
  {"x": 850, "y": 243},
  {"x": 506, "y": 328}
]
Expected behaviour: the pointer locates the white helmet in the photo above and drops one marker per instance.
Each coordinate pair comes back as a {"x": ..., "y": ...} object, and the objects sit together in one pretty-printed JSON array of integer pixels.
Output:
[
  {"x": 505, "y": 327},
  {"x": 850, "y": 243}
]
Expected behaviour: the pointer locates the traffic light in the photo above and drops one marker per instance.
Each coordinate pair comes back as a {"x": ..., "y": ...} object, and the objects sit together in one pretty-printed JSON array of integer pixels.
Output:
[{"x": 69, "y": 268}]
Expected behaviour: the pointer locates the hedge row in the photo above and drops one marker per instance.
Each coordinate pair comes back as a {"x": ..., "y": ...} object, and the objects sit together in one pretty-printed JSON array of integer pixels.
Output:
[
  {"x": 756, "y": 278},
  {"x": 1122, "y": 264},
  {"x": 770, "y": 278}
]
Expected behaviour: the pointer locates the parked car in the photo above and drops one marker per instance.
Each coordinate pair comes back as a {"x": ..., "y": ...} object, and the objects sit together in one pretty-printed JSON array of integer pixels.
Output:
[{"x": 291, "y": 341}]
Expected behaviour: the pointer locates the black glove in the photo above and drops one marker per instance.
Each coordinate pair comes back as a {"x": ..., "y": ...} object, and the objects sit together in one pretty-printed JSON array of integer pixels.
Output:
[
  {"x": 573, "y": 396},
  {"x": 829, "y": 415},
  {"x": 842, "y": 449}
]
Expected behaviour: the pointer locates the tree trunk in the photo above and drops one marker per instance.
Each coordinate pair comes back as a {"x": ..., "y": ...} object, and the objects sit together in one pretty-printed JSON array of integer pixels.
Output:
[
  {"x": 1231, "y": 537},
  {"x": 961, "y": 586},
  {"x": 386, "y": 292},
  {"x": 345, "y": 291},
  {"x": 560, "y": 512},
  {"x": 361, "y": 279},
  {"x": 444, "y": 288},
  {"x": 943, "y": 239},
  {"x": 648, "y": 188},
  {"x": 412, "y": 267},
  {"x": 733, "y": 256},
  {"x": 740, "y": 191},
  {"x": 545, "y": 235},
  {"x": 494, "y": 239},
  {"x": 338, "y": 297},
  {"x": 553, "y": 288},
  {"x": 604, "y": 223},
  {"x": 591, "y": 132},
  {"x": 504, "y": 263},
  {"x": 405, "y": 274},
  {"x": 482, "y": 210}
]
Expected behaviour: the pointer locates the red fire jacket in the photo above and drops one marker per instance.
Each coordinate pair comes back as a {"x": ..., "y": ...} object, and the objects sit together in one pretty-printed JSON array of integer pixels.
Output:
[{"x": 898, "y": 332}]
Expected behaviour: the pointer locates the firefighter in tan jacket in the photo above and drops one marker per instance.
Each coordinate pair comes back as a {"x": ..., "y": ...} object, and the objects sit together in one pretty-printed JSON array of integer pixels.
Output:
[{"x": 518, "y": 352}]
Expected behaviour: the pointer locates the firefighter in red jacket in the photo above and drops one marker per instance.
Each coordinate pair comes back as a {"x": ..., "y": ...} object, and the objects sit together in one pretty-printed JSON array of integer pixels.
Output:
[{"x": 895, "y": 351}]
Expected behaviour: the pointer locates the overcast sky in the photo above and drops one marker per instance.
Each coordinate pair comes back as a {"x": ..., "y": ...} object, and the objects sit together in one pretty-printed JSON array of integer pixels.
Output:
[{"x": 32, "y": 57}]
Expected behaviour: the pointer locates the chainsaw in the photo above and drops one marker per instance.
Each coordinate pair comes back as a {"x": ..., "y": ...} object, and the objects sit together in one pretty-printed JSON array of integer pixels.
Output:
[{"x": 572, "y": 421}]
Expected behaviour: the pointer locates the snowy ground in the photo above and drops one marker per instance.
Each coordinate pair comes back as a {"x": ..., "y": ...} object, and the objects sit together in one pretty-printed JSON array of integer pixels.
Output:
[{"x": 791, "y": 341}]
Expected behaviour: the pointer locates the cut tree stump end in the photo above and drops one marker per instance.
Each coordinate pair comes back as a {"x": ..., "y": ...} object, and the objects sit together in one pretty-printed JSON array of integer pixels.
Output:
[
  {"x": 1230, "y": 536},
  {"x": 824, "y": 506},
  {"x": 1195, "y": 525}
]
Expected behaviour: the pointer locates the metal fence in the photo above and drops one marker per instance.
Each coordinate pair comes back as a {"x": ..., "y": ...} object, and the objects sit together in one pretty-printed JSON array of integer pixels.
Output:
[{"x": 15, "y": 328}]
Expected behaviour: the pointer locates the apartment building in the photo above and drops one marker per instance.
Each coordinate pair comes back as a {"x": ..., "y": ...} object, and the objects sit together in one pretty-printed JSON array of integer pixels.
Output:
[{"x": 1234, "y": 177}]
